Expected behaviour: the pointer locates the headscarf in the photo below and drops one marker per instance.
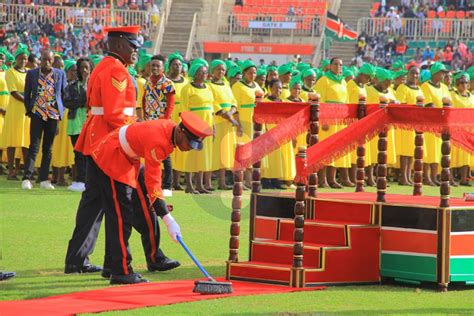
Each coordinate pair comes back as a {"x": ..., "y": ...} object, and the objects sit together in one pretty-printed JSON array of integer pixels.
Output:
[
  {"x": 367, "y": 69},
  {"x": 229, "y": 64},
  {"x": 383, "y": 74},
  {"x": 458, "y": 75},
  {"x": 470, "y": 72},
  {"x": 246, "y": 64},
  {"x": 324, "y": 64},
  {"x": 301, "y": 67},
  {"x": 171, "y": 57},
  {"x": 215, "y": 63},
  {"x": 400, "y": 73},
  {"x": 308, "y": 72},
  {"x": 200, "y": 61},
  {"x": 425, "y": 75},
  {"x": 347, "y": 72},
  {"x": 143, "y": 60},
  {"x": 397, "y": 65},
  {"x": 68, "y": 63},
  {"x": 272, "y": 68},
  {"x": 437, "y": 67},
  {"x": 295, "y": 80},
  {"x": 195, "y": 66},
  {"x": 234, "y": 71},
  {"x": 262, "y": 71},
  {"x": 284, "y": 69},
  {"x": 22, "y": 49}
]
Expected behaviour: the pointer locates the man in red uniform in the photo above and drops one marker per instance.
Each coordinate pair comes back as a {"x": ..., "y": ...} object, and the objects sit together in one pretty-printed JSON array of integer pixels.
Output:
[
  {"x": 111, "y": 99},
  {"x": 118, "y": 159}
]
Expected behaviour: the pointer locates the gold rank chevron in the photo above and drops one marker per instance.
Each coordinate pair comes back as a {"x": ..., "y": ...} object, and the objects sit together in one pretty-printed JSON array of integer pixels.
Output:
[{"x": 119, "y": 85}]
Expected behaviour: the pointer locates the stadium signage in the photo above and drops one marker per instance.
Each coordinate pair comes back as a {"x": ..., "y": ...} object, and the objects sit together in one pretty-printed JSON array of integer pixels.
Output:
[
  {"x": 271, "y": 25},
  {"x": 258, "y": 48}
]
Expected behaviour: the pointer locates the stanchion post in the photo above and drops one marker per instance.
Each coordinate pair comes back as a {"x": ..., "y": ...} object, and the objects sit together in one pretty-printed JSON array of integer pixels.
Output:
[
  {"x": 445, "y": 188},
  {"x": 297, "y": 270},
  {"x": 360, "y": 163},
  {"x": 313, "y": 138},
  {"x": 382, "y": 159},
  {"x": 418, "y": 156},
  {"x": 237, "y": 190}
]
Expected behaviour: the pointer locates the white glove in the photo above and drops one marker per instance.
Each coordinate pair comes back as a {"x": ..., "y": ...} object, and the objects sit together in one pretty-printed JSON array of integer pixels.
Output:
[{"x": 172, "y": 226}]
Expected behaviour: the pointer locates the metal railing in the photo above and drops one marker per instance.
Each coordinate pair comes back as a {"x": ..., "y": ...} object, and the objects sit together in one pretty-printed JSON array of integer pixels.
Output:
[
  {"x": 418, "y": 28},
  {"x": 192, "y": 36},
  {"x": 79, "y": 17},
  {"x": 161, "y": 29},
  {"x": 238, "y": 24}
]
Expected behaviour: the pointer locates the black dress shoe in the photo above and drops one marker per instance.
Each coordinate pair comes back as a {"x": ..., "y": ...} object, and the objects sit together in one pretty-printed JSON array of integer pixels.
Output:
[
  {"x": 6, "y": 275},
  {"x": 163, "y": 265},
  {"x": 133, "y": 278},
  {"x": 88, "y": 268},
  {"x": 106, "y": 273}
]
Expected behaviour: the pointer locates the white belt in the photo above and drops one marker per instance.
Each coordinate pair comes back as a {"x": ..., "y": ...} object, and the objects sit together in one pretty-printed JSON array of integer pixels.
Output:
[
  {"x": 98, "y": 110},
  {"x": 124, "y": 143}
]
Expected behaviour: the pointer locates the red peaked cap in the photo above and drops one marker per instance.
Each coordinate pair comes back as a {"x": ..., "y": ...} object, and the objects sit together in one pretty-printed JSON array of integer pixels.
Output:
[
  {"x": 133, "y": 29},
  {"x": 195, "y": 129},
  {"x": 412, "y": 64}
]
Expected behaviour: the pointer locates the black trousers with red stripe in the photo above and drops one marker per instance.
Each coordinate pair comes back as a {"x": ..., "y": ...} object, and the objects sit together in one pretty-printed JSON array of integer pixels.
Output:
[
  {"x": 125, "y": 208},
  {"x": 89, "y": 218}
]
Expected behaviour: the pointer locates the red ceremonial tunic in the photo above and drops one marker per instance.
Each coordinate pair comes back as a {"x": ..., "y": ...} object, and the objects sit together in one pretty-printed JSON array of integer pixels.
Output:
[
  {"x": 150, "y": 140},
  {"x": 111, "y": 103}
]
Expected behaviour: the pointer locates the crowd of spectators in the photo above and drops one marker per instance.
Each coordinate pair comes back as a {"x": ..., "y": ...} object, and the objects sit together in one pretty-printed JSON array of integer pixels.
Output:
[
  {"x": 420, "y": 8},
  {"x": 76, "y": 34},
  {"x": 120, "y": 4},
  {"x": 384, "y": 48},
  {"x": 59, "y": 36}
]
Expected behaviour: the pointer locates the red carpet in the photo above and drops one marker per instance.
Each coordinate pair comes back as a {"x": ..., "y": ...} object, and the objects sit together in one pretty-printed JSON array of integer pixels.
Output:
[{"x": 129, "y": 297}]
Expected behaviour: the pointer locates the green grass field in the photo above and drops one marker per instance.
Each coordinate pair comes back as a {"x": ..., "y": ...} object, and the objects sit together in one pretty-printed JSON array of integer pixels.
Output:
[{"x": 35, "y": 228}]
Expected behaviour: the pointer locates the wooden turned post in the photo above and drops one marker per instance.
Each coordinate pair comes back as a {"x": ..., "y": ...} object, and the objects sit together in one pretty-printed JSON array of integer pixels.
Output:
[
  {"x": 313, "y": 138},
  {"x": 297, "y": 269},
  {"x": 382, "y": 160},
  {"x": 418, "y": 157},
  {"x": 445, "y": 188},
  {"x": 360, "y": 162},
  {"x": 256, "y": 167},
  {"x": 237, "y": 190}
]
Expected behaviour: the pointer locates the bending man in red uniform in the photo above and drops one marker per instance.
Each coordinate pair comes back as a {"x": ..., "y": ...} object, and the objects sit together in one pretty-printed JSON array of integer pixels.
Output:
[
  {"x": 118, "y": 158},
  {"x": 111, "y": 100}
]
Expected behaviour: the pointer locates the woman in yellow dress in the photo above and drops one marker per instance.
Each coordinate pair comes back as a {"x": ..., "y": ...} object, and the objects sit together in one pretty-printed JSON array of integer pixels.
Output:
[
  {"x": 462, "y": 98},
  {"x": 356, "y": 88},
  {"x": 143, "y": 68},
  {"x": 245, "y": 93},
  {"x": 174, "y": 65},
  {"x": 234, "y": 75},
  {"x": 434, "y": 91},
  {"x": 62, "y": 151},
  {"x": 227, "y": 127},
  {"x": 261, "y": 77},
  {"x": 407, "y": 93},
  {"x": 285, "y": 74},
  {"x": 197, "y": 97},
  {"x": 332, "y": 88},
  {"x": 273, "y": 171},
  {"x": 272, "y": 73},
  {"x": 4, "y": 97},
  {"x": 309, "y": 77},
  {"x": 16, "y": 128},
  {"x": 374, "y": 94}
]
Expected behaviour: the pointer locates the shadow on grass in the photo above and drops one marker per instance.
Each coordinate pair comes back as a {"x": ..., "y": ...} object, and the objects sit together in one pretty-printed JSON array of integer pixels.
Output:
[
  {"x": 413, "y": 311},
  {"x": 31, "y": 284}
]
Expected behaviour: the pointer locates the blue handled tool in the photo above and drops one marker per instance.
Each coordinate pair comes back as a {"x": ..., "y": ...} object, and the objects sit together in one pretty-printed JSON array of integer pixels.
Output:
[{"x": 206, "y": 287}]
